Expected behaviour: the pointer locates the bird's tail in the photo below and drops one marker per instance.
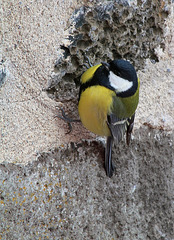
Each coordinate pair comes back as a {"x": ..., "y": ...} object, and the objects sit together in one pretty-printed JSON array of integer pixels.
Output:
[{"x": 109, "y": 167}]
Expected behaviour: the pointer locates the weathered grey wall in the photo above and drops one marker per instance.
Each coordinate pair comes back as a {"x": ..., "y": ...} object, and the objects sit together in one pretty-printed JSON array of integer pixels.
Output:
[
  {"x": 65, "y": 194},
  {"x": 52, "y": 184}
]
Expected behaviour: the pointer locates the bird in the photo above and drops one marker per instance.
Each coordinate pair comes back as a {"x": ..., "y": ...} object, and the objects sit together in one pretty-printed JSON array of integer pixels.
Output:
[{"x": 108, "y": 99}]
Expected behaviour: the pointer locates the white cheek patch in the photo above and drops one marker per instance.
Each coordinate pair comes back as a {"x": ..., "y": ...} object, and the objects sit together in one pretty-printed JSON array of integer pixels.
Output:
[{"x": 120, "y": 84}]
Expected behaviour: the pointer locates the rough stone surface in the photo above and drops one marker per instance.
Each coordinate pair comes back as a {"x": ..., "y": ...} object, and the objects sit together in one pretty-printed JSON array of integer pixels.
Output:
[
  {"x": 102, "y": 32},
  {"x": 31, "y": 36},
  {"x": 52, "y": 184},
  {"x": 65, "y": 194}
]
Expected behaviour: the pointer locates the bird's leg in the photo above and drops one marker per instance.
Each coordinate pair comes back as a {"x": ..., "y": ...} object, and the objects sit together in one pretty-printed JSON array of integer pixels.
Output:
[
  {"x": 129, "y": 129},
  {"x": 109, "y": 166},
  {"x": 67, "y": 119}
]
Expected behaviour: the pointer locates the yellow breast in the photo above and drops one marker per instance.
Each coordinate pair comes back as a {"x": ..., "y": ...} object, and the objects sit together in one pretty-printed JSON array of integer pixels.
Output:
[{"x": 94, "y": 105}]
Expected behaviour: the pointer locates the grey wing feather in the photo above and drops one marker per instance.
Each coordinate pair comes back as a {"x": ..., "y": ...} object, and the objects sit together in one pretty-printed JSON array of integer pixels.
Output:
[{"x": 117, "y": 126}]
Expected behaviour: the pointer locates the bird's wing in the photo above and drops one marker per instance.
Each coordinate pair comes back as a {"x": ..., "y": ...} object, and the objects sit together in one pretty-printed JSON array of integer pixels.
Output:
[{"x": 118, "y": 127}]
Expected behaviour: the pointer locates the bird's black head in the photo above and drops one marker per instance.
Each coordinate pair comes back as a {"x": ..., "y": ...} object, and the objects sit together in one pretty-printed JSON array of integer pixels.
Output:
[
  {"x": 122, "y": 68},
  {"x": 122, "y": 77}
]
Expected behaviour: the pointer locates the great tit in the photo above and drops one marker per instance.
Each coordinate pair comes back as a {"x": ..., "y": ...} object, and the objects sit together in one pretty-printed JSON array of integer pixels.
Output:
[{"x": 108, "y": 98}]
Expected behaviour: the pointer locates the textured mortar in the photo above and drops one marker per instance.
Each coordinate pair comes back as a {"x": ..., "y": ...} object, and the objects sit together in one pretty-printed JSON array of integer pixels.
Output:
[{"x": 65, "y": 194}]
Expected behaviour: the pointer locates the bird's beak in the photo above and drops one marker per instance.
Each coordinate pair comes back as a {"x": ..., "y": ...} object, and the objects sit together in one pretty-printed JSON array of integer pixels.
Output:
[{"x": 106, "y": 65}]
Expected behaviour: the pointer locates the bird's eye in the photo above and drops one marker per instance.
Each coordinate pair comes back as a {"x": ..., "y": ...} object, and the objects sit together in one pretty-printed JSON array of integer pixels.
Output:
[{"x": 118, "y": 73}]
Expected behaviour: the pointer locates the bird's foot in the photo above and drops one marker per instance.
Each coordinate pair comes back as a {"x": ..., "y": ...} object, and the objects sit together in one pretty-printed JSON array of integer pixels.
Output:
[{"x": 67, "y": 119}]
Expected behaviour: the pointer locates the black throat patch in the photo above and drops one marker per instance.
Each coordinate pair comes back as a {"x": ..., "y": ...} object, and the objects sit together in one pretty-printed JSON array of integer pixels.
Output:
[{"x": 101, "y": 78}]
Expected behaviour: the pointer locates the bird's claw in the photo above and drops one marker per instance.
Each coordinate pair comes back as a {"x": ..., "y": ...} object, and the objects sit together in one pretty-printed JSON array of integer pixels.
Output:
[{"x": 67, "y": 120}]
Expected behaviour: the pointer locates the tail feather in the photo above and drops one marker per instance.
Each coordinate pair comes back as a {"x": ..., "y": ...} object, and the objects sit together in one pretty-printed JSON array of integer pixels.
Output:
[{"x": 109, "y": 167}]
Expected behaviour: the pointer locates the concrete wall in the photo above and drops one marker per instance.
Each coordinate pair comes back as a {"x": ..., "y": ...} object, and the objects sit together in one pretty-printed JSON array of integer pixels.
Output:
[{"x": 52, "y": 184}]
